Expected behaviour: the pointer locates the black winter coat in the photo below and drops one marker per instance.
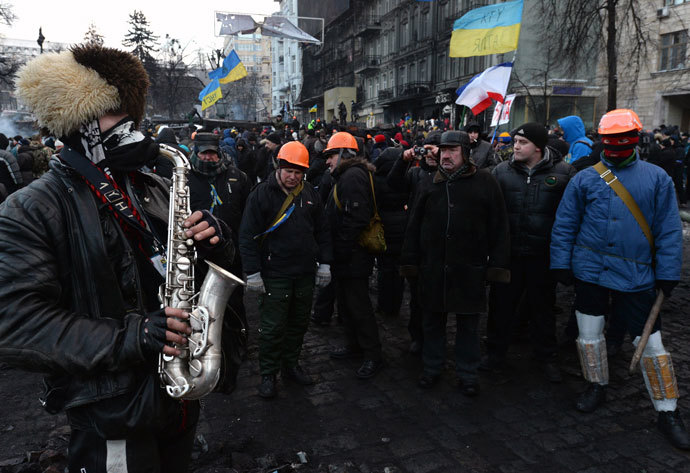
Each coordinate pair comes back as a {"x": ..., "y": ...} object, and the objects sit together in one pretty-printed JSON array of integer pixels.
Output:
[
  {"x": 413, "y": 180},
  {"x": 233, "y": 189},
  {"x": 264, "y": 165},
  {"x": 483, "y": 155},
  {"x": 351, "y": 178},
  {"x": 532, "y": 197},
  {"x": 25, "y": 159},
  {"x": 390, "y": 202},
  {"x": 457, "y": 239},
  {"x": 293, "y": 249},
  {"x": 73, "y": 290},
  {"x": 10, "y": 177},
  {"x": 246, "y": 160}
]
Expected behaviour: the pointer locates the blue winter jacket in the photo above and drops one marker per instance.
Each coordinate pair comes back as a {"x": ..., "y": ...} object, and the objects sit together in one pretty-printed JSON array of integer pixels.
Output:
[
  {"x": 227, "y": 144},
  {"x": 597, "y": 237},
  {"x": 574, "y": 135}
]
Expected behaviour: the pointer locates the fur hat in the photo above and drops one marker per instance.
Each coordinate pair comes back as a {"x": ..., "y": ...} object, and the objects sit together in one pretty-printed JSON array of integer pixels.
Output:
[{"x": 67, "y": 89}]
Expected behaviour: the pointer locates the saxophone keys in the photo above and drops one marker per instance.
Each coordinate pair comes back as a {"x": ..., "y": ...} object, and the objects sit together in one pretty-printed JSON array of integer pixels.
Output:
[{"x": 183, "y": 264}]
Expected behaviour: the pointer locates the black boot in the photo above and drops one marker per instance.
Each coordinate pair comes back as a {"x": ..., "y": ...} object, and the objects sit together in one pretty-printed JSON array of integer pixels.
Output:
[
  {"x": 267, "y": 388},
  {"x": 592, "y": 398},
  {"x": 671, "y": 425},
  {"x": 298, "y": 375}
]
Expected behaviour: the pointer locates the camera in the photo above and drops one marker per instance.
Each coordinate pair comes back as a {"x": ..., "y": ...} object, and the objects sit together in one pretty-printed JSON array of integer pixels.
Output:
[{"x": 420, "y": 151}]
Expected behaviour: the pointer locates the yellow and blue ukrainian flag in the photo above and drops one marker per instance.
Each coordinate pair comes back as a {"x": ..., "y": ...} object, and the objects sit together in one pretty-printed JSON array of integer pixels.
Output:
[
  {"x": 493, "y": 29},
  {"x": 313, "y": 109},
  {"x": 210, "y": 95},
  {"x": 231, "y": 70}
]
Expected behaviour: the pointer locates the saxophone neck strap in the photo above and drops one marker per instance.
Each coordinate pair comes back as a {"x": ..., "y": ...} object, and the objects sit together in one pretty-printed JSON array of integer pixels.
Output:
[{"x": 112, "y": 197}]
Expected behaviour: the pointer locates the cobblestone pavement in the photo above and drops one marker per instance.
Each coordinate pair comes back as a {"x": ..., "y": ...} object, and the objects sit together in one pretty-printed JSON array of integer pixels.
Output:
[{"x": 519, "y": 423}]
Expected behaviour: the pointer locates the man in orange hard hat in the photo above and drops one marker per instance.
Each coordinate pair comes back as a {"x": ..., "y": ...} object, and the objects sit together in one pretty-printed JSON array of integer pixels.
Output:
[
  {"x": 618, "y": 236},
  {"x": 349, "y": 208},
  {"x": 285, "y": 245}
]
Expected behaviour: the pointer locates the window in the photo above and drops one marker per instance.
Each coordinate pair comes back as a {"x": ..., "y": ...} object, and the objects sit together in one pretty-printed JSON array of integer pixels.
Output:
[
  {"x": 441, "y": 64},
  {"x": 673, "y": 48}
]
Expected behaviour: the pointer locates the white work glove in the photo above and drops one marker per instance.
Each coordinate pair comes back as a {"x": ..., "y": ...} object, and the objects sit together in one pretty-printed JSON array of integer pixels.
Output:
[
  {"x": 255, "y": 283},
  {"x": 323, "y": 275}
]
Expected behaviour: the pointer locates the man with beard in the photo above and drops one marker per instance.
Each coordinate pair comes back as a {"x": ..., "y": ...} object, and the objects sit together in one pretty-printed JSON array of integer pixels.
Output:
[
  {"x": 406, "y": 177},
  {"x": 457, "y": 239},
  {"x": 286, "y": 248},
  {"x": 82, "y": 263},
  {"x": 220, "y": 188}
]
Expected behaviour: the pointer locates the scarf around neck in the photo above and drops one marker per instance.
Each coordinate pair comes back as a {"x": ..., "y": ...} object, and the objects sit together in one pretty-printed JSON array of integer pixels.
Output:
[{"x": 122, "y": 148}]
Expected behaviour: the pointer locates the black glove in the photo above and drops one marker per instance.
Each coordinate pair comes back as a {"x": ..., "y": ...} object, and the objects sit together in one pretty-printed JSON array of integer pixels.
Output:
[
  {"x": 666, "y": 286},
  {"x": 153, "y": 332},
  {"x": 563, "y": 276},
  {"x": 204, "y": 247}
]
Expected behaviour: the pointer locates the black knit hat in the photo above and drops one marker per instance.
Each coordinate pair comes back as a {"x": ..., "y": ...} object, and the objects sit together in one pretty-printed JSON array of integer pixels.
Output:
[
  {"x": 274, "y": 138},
  {"x": 534, "y": 132}
]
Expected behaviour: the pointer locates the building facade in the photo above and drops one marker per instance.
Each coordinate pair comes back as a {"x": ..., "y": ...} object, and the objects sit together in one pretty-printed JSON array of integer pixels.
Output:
[
  {"x": 660, "y": 91},
  {"x": 388, "y": 59},
  {"x": 286, "y": 65},
  {"x": 251, "y": 97}
]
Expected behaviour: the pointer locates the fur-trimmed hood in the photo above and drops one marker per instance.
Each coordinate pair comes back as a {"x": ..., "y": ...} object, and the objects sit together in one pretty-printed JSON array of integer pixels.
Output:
[
  {"x": 67, "y": 89},
  {"x": 346, "y": 164}
]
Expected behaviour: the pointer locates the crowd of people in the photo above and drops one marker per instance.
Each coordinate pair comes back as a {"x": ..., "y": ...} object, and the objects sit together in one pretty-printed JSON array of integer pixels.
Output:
[{"x": 304, "y": 214}]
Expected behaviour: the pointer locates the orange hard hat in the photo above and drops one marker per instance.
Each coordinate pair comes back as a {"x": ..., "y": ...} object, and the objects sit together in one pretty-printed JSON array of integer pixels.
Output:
[
  {"x": 295, "y": 153},
  {"x": 340, "y": 140},
  {"x": 621, "y": 120}
]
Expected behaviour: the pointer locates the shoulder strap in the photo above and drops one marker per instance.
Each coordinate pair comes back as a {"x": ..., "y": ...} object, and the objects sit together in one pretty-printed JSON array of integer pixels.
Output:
[
  {"x": 286, "y": 203},
  {"x": 371, "y": 181},
  {"x": 340, "y": 206},
  {"x": 584, "y": 143},
  {"x": 612, "y": 181},
  {"x": 335, "y": 197}
]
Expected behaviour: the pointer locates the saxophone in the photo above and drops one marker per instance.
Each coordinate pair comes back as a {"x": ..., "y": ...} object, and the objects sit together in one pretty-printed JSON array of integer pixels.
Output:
[{"x": 196, "y": 371}]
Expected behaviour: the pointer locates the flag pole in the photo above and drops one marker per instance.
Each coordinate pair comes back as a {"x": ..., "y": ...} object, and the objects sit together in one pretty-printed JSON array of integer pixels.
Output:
[{"x": 493, "y": 137}]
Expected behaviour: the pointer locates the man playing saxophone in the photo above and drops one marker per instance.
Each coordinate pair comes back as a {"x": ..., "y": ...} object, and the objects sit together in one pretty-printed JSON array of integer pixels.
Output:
[{"x": 83, "y": 256}]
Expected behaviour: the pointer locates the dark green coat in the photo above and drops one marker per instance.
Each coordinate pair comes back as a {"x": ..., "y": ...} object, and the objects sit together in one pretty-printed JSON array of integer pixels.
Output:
[{"x": 457, "y": 239}]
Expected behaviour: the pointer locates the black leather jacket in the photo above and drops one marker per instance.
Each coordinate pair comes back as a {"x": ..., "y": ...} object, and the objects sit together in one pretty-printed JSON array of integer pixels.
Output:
[{"x": 73, "y": 291}]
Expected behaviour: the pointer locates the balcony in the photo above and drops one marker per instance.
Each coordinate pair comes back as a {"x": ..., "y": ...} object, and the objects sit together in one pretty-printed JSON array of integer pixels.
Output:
[
  {"x": 365, "y": 24},
  {"x": 386, "y": 94},
  {"x": 365, "y": 64},
  {"x": 413, "y": 90}
]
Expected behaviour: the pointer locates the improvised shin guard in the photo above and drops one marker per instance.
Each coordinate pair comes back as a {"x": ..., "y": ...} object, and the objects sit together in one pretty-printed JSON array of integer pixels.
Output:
[
  {"x": 658, "y": 373},
  {"x": 591, "y": 346}
]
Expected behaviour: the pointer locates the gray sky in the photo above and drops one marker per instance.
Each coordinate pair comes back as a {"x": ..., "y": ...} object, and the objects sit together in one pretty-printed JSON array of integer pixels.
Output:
[{"x": 66, "y": 21}]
